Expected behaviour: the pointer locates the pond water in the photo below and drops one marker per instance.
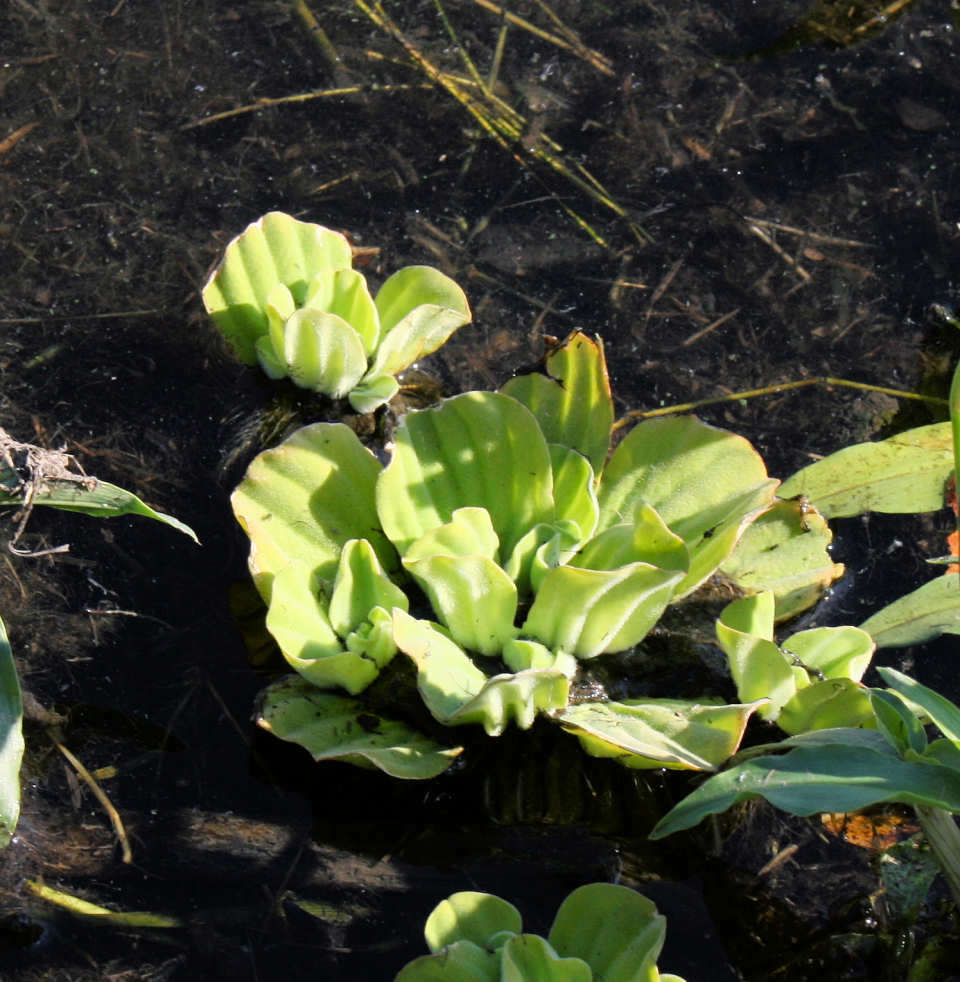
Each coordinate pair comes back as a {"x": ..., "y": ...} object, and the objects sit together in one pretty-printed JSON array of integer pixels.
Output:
[{"x": 744, "y": 194}]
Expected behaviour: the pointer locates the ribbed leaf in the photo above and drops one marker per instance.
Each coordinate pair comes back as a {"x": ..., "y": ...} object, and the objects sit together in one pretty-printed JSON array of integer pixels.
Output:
[
  {"x": 470, "y": 916},
  {"x": 307, "y": 497},
  {"x": 478, "y": 449},
  {"x": 463, "y": 961},
  {"x": 275, "y": 249},
  {"x": 614, "y": 929},
  {"x": 576, "y": 410},
  {"x": 361, "y": 585},
  {"x": 528, "y": 957},
  {"x": 654, "y": 733},
  {"x": 323, "y": 352},
  {"x": 589, "y": 612},
  {"x": 785, "y": 550},
  {"x": 335, "y": 727},
  {"x": 826, "y": 705}
]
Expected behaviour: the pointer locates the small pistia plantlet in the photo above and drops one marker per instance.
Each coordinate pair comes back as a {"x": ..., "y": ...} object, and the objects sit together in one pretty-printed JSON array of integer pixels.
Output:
[
  {"x": 601, "y": 931},
  {"x": 286, "y": 296},
  {"x": 499, "y": 552}
]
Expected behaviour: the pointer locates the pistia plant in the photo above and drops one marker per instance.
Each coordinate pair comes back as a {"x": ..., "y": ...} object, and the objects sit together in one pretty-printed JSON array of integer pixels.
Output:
[
  {"x": 285, "y": 295},
  {"x": 601, "y": 931},
  {"x": 499, "y": 551}
]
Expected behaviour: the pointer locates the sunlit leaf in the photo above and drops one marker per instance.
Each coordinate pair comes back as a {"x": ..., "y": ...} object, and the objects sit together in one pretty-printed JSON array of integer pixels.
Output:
[
  {"x": 925, "y": 613},
  {"x": 653, "y": 733},
  {"x": 905, "y": 473},
  {"x": 470, "y": 916},
  {"x": 785, "y": 551},
  {"x": 944, "y": 714},
  {"x": 359, "y": 586},
  {"x": 827, "y": 778},
  {"x": 614, "y": 929},
  {"x": 528, "y": 957},
  {"x": 305, "y": 499},
  {"x": 323, "y": 352},
  {"x": 275, "y": 249},
  {"x": 827, "y": 704},
  {"x": 478, "y": 449},
  {"x": 574, "y": 406},
  {"x": 463, "y": 961},
  {"x": 94, "y": 912},
  {"x": 589, "y": 612},
  {"x": 11, "y": 741},
  {"x": 336, "y": 727}
]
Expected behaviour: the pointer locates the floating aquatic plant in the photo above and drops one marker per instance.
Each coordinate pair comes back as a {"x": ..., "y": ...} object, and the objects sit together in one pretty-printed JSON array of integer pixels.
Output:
[
  {"x": 285, "y": 295},
  {"x": 498, "y": 551},
  {"x": 601, "y": 931}
]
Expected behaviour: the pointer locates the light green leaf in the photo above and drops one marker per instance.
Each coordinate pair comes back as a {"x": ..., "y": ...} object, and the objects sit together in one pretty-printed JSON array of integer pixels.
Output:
[
  {"x": 305, "y": 499},
  {"x": 92, "y": 497},
  {"x": 298, "y": 619},
  {"x": 456, "y": 692},
  {"x": 471, "y": 596},
  {"x": 944, "y": 714},
  {"x": 468, "y": 533},
  {"x": 827, "y": 705},
  {"x": 654, "y": 733},
  {"x": 573, "y": 489},
  {"x": 361, "y": 585},
  {"x": 614, "y": 929},
  {"x": 520, "y": 654},
  {"x": 576, "y": 410},
  {"x": 529, "y": 958},
  {"x": 344, "y": 292},
  {"x": 828, "y": 778},
  {"x": 463, "y": 961},
  {"x": 904, "y": 473},
  {"x": 11, "y": 741},
  {"x": 275, "y": 249},
  {"x": 837, "y": 652},
  {"x": 409, "y": 288},
  {"x": 323, "y": 352},
  {"x": 705, "y": 483},
  {"x": 759, "y": 669},
  {"x": 470, "y": 916},
  {"x": 371, "y": 393},
  {"x": 785, "y": 551},
  {"x": 590, "y": 612},
  {"x": 927, "y": 612},
  {"x": 478, "y": 449},
  {"x": 335, "y": 727},
  {"x": 541, "y": 549},
  {"x": 644, "y": 540}
]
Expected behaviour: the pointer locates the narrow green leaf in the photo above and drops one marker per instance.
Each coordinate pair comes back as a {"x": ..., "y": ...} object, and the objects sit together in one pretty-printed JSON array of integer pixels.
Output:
[
  {"x": 350, "y": 300},
  {"x": 905, "y": 473},
  {"x": 11, "y": 741},
  {"x": 94, "y": 912},
  {"x": 335, "y": 727},
  {"x": 944, "y": 714},
  {"x": 898, "y": 722},
  {"x": 614, "y": 929},
  {"x": 807, "y": 780},
  {"x": 98, "y": 499},
  {"x": 926, "y": 613},
  {"x": 574, "y": 406}
]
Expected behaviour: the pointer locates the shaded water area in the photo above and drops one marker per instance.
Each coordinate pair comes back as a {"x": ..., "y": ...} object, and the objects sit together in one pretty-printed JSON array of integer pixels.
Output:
[{"x": 772, "y": 196}]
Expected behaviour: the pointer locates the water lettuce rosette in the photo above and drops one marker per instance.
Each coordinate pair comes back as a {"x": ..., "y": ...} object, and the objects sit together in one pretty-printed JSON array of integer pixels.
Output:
[{"x": 498, "y": 551}]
